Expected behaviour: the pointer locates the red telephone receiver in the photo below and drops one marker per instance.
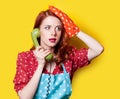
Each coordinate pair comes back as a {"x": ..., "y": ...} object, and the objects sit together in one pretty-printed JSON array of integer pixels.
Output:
[{"x": 35, "y": 34}]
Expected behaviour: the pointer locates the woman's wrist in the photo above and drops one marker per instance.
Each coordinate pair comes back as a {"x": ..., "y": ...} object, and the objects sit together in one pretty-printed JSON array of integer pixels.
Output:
[
  {"x": 79, "y": 33},
  {"x": 40, "y": 66}
]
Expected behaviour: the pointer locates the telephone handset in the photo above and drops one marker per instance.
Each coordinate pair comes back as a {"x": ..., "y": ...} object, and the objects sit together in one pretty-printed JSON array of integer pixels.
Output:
[{"x": 35, "y": 34}]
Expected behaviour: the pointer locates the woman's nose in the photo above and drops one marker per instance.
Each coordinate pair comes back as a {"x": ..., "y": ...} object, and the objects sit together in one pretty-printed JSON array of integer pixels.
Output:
[{"x": 53, "y": 32}]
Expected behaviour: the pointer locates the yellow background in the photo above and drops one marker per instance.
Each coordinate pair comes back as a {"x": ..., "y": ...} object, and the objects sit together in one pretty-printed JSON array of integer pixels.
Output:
[{"x": 98, "y": 18}]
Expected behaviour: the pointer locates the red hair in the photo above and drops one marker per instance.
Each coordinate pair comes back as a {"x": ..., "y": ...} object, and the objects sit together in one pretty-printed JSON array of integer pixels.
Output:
[{"x": 61, "y": 49}]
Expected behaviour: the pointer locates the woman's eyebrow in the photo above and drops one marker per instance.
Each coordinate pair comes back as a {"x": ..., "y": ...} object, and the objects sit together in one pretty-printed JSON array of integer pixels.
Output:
[{"x": 47, "y": 25}]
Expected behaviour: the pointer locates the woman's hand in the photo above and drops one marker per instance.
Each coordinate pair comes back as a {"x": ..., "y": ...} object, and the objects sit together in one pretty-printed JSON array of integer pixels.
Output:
[
  {"x": 71, "y": 28},
  {"x": 40, "y": 54}
]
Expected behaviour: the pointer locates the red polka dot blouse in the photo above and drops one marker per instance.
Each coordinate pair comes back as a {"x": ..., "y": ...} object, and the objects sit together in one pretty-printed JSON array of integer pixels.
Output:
[{"x": 27, "y": 64}]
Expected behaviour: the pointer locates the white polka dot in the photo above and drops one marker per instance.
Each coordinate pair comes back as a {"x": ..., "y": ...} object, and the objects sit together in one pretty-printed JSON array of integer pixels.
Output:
[
  {"x": 44, "y": 96},
  {"x": 53, "y": 88},
  {"x": 62, "y": 18},
  {"x": 67, "y": 85},
  {"x": 69, "y": 28},
  {"x": 20, "y": 59},
  {"x": 18, "y": 82},
  {"x": 82, "y": 53},
  {"x": 26, "y": 65},
  {"x": 60, "y": 86},
  {"x": 60, "y": 14},
  {"x": 76, "y": 27},
  {"x": 41, "y": 83},
  {"x": 45, "y": 87},
  {"x": 64, "y": 81},
  {"x": 68, "y": 24},
  {"x": 20, "y": 76},
  {"x": 63, "y": 22},
  {"x": 46, "y": 78},
  {"x": 31, "y": 62},
  {"x": 54, "y": 9},
  {"x": 67, "y": 67},
  {"x": 56, "y": 83},
  {"x": 40, "y": 91},
  {"x": 66, "y": 63},
  {"x": 64, "y": 90},
  {"x": 23, "y": 79},
  {"x": 18, "y": 72},
  {"x": 56, "y": 12},
  {"x": 66, "y": 20},
  {"x": 56, "y": 91},
  {"x": 70, "y": 21},
  {"x": 59, "y": 78},
  {"x": 32, "y": 59},
  {"x": 20, "y": 63},
  {"x": 60, "y": 94},
  {"x": 72, "y": 35},
  {"x": 18, "y": 87},
  {"x": 81, "y": 59},
  {"x": 69, "y": 33}
]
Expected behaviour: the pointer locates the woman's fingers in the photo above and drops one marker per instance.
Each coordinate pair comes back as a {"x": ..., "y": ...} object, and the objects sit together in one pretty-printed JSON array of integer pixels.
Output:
[
  {"x": 46, "y": 52},
  {"x": 41, "y": 52},
  {"x": 38, "y": 48}
]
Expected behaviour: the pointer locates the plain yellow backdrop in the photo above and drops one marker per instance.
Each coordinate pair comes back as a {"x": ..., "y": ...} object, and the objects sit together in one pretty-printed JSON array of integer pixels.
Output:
[{"x": 98, "y": 18}]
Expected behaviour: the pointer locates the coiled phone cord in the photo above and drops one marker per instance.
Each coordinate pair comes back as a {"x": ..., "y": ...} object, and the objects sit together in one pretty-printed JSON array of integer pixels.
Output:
[{"x": 49, "y": 81}]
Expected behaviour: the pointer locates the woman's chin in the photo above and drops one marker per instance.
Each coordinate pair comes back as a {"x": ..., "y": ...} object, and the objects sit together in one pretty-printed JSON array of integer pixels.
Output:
[{"x": 52, "y": 45}]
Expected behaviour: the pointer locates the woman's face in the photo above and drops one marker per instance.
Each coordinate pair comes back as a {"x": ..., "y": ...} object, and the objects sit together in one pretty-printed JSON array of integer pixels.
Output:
[{"x": 50, "y": 29}]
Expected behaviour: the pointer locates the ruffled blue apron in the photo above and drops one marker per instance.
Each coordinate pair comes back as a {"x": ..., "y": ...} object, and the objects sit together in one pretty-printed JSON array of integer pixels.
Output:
[{"x": 54, "y": 86}]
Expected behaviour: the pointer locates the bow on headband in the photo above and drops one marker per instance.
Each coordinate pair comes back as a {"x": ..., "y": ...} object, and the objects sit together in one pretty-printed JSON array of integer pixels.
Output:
[{"x": 70, "y": 27}]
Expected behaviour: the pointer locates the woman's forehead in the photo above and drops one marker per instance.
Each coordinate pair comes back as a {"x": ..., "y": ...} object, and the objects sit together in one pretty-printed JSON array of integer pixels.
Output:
[{"x": 51, "y": 20}]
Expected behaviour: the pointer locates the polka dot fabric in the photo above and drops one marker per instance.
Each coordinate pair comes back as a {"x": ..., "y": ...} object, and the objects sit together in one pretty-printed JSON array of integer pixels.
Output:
[
  {"x": 54, "y": 86},
  {"x": 70, "y": 27},
  {"x": 27, "y": 64}
]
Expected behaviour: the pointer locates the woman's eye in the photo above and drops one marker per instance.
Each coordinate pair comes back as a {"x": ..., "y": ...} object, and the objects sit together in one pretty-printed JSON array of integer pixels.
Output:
[
  {"x": 58, "y": 28},
  {"x": 47, "y": 27}
]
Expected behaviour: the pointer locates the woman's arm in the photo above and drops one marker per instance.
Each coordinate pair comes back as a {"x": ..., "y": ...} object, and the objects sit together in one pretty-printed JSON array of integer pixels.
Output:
[
  {"x": 95, "y": 48},
  {"x": 29, "y": 90}
]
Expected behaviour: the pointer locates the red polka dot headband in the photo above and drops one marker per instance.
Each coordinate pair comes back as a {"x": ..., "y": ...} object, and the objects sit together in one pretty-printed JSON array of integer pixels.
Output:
[{"x": 70, "y": 27}]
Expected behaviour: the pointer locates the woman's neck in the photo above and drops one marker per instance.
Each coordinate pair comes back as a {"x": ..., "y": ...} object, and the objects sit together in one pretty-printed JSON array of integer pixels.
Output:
[{"x": 48, "y": 48}]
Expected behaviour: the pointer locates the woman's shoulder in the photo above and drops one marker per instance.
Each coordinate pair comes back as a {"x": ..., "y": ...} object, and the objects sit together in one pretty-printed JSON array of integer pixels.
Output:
[
  {"x": 26, "y": 59},
  {"x": 74, "y": 51},
  {"x": 79, "y": 57},
  {"x": 24, "y": 54}
]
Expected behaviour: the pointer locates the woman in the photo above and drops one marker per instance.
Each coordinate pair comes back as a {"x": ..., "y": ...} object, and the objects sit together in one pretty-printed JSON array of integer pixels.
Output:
[{"x": 37, "y": 78}]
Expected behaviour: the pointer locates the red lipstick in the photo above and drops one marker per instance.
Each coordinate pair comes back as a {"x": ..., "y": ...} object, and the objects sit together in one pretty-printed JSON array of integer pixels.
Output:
[{"x": 52, "y": 40}]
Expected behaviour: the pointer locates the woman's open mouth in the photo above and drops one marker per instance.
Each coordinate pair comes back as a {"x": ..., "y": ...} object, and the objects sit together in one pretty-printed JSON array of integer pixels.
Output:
[{"x": 52, "y": 40}]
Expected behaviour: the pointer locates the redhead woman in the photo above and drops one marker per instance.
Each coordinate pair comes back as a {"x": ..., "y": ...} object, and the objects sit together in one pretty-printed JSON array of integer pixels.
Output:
[{"x": 37, "y": 78}]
